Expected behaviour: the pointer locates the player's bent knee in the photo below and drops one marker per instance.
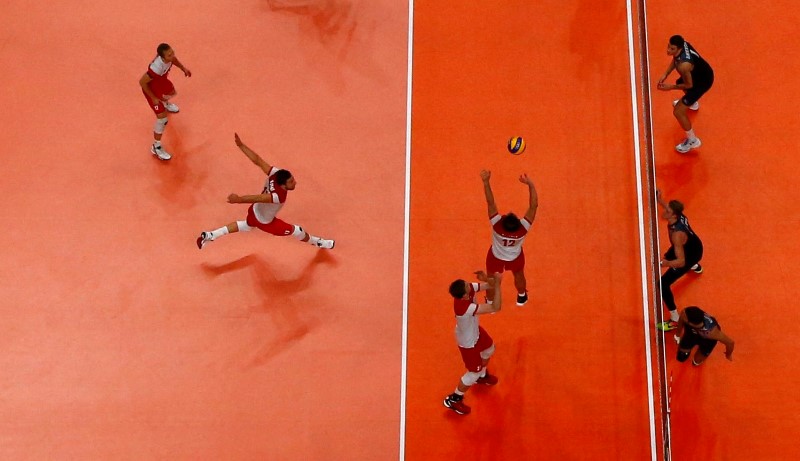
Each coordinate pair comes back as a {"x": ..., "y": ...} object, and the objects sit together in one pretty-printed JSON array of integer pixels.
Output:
[
  {"x": 299, "y": 233},
  {"x": 488, "y": 352},
  {"x": 682, "y": 356},
  {"x": 243, "y": 227},
  {"x": 470, "y": 378},
  {"x": 161, "y": 123}
]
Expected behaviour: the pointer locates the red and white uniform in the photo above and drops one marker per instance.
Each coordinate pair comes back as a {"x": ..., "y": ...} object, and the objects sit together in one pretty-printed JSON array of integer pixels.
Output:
[
  {"x": 471, "y": 338},
  {"x": 262, "y": 215},
  {"x": 507, "y": 246},
  {"x": 159, "y": 73}
]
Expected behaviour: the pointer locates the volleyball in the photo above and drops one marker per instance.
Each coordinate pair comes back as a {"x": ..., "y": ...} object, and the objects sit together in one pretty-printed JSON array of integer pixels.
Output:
[{"x": 516, "y": 145}]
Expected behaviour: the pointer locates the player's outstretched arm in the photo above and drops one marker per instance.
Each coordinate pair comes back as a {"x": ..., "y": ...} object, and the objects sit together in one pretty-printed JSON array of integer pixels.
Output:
[
  {"x": 260, "y": 198},
  {"x": 533, "y": 200},
  {"x": 180, "y": 66},
  {"x": 487, "y": 191},
  {"x": 255, "y": 158},
  {"x": 718, "y": 335},
  {"x": 669, "y": 70},
  {"x": 660, "y": 200},
  {"x": 497, "y": 302}
]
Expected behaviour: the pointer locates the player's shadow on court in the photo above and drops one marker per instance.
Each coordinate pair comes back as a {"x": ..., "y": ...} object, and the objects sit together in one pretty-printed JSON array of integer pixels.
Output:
[
  {"x": 345, "y": 29},
  {"x": 292, "y": 320}
]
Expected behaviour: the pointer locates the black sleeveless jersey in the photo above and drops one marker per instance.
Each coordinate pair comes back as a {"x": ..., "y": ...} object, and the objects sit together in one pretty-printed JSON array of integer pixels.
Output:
[
  {"x": 701, "y": 72},
  {"x": 693, "y": 244}
]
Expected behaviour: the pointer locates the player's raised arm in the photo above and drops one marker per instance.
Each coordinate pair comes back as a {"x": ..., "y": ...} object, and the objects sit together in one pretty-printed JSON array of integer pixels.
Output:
[
  {"x": 533, "y": 201},
  {"x": 255, "y": 158},
  {"x": 487, "y": 191},
  {"x": 497, "y": 301}
]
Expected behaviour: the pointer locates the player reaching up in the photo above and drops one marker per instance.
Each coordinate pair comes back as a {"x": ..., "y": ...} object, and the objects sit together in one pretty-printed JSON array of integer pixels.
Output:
[
  {"x": 508, "y": 233},
  {"x": 265, "y": 206}
]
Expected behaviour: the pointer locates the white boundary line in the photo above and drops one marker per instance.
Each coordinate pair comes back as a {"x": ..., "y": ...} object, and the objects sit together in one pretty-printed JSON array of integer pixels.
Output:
[
  {"x": 642, "y": 237},
  {"x": 404, "y": 350}
]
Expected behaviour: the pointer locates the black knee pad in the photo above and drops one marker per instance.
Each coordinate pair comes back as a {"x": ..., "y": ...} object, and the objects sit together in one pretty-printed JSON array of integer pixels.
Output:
[{"x": 682, "y": 356}]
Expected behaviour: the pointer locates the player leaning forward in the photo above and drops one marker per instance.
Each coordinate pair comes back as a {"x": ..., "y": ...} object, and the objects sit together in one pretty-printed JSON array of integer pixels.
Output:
[
  {"x": 158, "y": 90},
  {"x": 265, "y": 206}
]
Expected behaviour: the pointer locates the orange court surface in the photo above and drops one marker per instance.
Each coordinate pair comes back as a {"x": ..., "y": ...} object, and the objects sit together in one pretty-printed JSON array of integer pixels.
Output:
[{"x": 120, "y": 340}]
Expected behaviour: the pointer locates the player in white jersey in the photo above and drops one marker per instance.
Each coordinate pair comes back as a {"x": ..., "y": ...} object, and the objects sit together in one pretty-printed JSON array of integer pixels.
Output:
[
  {"x": 475, "y": 345},
  {"x": 265, "y": 206},
  {"x": 158, "y": 90},
  {"x": 508, "y": 233}
]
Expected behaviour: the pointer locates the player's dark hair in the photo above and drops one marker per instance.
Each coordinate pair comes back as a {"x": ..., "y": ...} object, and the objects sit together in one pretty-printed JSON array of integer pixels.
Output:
[
  {"x": 162, "y": 48},
  {"x": 511, "y": 222},
  {"x": 458, "y": 289},
  {"x": 282, "y": 176},
  {"x": 694, "y": 314},
  {"x": 676, "y": 207},
  {"x": 677, "y": 40}
]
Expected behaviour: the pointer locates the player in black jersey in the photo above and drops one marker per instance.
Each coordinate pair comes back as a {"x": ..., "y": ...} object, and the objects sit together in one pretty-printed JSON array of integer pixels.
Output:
[
  {"x": 697, "y": 328},
  {"x": 696, "y": 78},
  {"x": 683, "y": 255}
]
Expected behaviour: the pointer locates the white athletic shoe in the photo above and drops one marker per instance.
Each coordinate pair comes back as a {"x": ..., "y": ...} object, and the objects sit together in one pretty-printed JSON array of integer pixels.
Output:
[
  {"x": 204, "y": 238},
  {"x": 687, "y": 145},
  {"x": 160, "y": 152},
  {"x": 694, "y": 106},
  {"x": 328, "y": 244},
  {"x": 172, "y": 107}
]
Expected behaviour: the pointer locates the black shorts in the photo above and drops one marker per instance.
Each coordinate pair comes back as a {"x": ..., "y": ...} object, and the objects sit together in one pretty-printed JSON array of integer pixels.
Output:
[
  {"x": 698, "y": 89},
  {"x": 689, "y": 340},
  {"x": 691, "y": 255}
]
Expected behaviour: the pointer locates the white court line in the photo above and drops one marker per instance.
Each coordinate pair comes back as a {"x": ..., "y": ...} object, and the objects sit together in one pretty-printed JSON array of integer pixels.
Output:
[
  {"x": 643, "y": 254},
  {"x": 404, "y": 351}
]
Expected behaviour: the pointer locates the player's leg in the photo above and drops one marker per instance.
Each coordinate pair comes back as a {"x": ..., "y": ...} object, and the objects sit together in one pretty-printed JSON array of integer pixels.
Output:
[
  {"x": 300, "y": 234},
  {"x": 236, "y": 226},
  {"x": 695, "y": 257},
  {"x": 706, "y": 346},
  {"x": 168, "y": 104},
  {"x": 473, "y": 362},
  {"x": 687, "y": 342},
  {"x": 670, "y": 276},
  {"x": 159, "y": 127},
  {"x": 517, "y": 267},
  {"x": 493, "y": 266},
  {"x": 485, "y": 345},
  {"x": 680, "y": 111}
]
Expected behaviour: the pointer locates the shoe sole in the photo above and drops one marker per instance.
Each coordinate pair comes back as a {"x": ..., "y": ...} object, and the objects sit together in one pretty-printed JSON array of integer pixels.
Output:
[
  {"x": 160, "y": 157},
  {"x": 687, "y": 150}
]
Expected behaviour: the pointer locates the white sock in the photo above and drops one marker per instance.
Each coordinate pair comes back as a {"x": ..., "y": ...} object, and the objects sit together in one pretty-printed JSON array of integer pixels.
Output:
[
  {"x": 313, "y": 240},
  {"x": 219, "y": 233},
  {"x": 490, "y": 301},
  {"x": 458, "y": 392},
  {"x": 483, "y": 372},
  {"x": 157, "y": 143},
  {"x": 690, "y": 135},
  {"x": 673, "y": 315}
]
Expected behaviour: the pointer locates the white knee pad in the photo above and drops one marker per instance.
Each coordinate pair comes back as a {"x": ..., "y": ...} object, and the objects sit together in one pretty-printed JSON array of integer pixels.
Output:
[
  {"x": 299, "y": 233},
  {"x": 470, "y": 378},
  {"x": 488, "y": 352},
  {"x": 161, "y": 123},
  {"x": 243, "y": 227}
]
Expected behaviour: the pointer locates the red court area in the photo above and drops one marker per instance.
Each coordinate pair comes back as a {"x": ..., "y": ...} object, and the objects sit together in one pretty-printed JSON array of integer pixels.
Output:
[
  {"x": 120, "y": 339},
  {"x": 571, "y": 363}
]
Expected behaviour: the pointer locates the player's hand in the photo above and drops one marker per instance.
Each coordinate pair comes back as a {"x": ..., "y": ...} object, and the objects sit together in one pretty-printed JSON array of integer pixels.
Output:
[
  {"x": 664, "y": 86},
  {"x": 498, "y": 277},
  {"x": 485, "y": 175},
  {"x": 729, "y": 355},
  {"x": 481, "y": 275},
  {"x": 233, "y": 198},
  {"x": 187, "y": 72},
  {"x": 524, "y": 179},
  {"x": 237, "y": 140},
  {"x": 677, "y": 339}
]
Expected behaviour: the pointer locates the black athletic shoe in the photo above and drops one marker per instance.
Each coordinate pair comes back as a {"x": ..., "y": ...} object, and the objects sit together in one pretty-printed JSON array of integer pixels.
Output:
[{"x": 522, "y": 299}]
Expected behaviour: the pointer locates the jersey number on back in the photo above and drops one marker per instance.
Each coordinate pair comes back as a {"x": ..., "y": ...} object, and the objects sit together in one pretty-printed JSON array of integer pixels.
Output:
[{"x": 509, "y": 243}]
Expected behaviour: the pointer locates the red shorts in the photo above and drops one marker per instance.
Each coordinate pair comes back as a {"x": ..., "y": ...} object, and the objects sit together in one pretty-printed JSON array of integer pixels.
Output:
[
  {"x": 159, "y": 87},
  {"x": 472, "y": 355},
  {"x": 498, "y": 265},
  {"x": 274, "y": 227}
]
